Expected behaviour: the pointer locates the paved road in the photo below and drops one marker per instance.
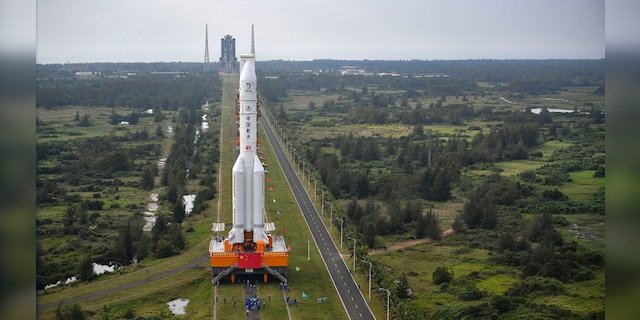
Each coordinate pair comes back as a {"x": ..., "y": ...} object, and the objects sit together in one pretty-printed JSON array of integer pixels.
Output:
[{"x": 351, "y": 297}]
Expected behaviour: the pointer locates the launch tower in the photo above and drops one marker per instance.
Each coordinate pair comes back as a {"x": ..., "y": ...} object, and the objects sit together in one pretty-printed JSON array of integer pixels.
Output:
[{"x": 249, "y": 248}]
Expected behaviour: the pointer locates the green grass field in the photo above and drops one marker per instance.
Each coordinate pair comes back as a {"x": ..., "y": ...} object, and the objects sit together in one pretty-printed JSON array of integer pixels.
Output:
[
  {"x": 514, "y": 167},
  {"x": 419, "y": 262},
  {"x": 549, "y": 147},
  {"x": 59, "y": 124},
  {"x": 583, "y": 185}
]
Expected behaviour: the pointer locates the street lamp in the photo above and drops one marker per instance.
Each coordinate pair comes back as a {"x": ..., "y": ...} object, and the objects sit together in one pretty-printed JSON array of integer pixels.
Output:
[
  {"x": 322, "y": 203},
  {"x": 315, "y": 189},
  {"x": 388, "y": 296},
  {"x": 354, "y": 252},
  {"x": 331, "y": 217},
  {"x": 308, "y": 171},
  {"x": 341, "y": 223},
  {"x": 370, "y": 265}
]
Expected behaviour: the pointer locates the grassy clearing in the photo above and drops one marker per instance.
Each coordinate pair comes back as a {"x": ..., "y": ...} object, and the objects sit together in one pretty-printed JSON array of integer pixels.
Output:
[
  {"x": 581, "y": 297},
  {"x": 583, "y": 185},
  {"x": 498, "y": 284},
  {"x": 420, "y": 262},
  {"x": 299, "y": 99},
  {"x": 512, "y": 168},
  {"x": 549, "y": 147},
  {"x": 58, "y": 123}
]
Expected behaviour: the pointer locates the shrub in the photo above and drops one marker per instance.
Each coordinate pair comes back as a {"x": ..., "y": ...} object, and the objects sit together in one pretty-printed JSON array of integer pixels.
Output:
[
  {"x": 470, "y": 292},
  {"x": 542, "y": 286},
  {"x": 501, "y": 303},
  {"x": 442, "y": 275}
]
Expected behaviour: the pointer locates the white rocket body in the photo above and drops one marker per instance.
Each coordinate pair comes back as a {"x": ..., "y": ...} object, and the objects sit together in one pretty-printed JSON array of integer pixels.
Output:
[{"x": 248, "y": 172}]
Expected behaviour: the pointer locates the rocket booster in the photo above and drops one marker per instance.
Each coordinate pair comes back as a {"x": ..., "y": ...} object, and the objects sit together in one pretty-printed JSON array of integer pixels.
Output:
[{"x": 248, "y": 172}]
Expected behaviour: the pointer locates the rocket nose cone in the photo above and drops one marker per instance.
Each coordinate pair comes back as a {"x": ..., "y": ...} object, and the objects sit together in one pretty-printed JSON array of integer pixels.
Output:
[{"x": 248, "y": 72}]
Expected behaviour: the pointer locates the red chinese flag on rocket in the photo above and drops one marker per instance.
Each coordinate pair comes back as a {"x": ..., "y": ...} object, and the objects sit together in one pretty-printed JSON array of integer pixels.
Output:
[{"x": 249, "y": 260}]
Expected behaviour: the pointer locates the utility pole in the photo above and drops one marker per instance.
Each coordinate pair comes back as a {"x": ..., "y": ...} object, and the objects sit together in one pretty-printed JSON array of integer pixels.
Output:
[{"x": 308, "y": 249}]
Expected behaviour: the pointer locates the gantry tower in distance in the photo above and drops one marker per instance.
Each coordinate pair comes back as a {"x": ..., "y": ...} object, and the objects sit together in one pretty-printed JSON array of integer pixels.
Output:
[{"x": 206, "y": 48}]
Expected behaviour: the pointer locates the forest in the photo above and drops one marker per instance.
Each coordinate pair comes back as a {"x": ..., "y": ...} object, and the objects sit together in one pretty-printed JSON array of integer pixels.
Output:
[
  {"x": 94, "y": 174},
  {"x": 392, "y": 152}
]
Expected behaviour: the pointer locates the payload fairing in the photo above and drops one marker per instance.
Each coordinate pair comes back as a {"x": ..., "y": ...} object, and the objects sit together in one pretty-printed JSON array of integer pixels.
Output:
[{"x": 249, "y": 247}]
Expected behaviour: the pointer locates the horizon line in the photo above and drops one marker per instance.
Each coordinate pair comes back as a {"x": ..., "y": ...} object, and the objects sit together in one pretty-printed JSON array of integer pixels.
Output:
[{"x": 334, "y": 59}]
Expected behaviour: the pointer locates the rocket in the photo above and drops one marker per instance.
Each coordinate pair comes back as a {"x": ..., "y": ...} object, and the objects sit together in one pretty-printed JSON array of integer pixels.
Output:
[{"x": 248, "y": 173}]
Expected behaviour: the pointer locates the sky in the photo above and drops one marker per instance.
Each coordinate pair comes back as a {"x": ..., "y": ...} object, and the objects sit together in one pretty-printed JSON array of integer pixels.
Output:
[{"x": 162, "y": 30}]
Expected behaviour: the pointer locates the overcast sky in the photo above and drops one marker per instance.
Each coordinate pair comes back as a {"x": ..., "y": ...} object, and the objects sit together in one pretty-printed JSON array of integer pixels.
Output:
[{"x": 162, "y": 30}]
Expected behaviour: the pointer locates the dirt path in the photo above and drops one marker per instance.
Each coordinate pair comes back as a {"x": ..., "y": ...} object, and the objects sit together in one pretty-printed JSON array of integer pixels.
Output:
[{"x": 405, "y": 244}]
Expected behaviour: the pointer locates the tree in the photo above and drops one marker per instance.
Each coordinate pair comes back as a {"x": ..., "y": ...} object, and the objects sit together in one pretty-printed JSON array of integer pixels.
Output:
[
  {"x": 159, "y": 132},
  {"x": 458, "y": 224},
  {"x": 73, "y": 312},
  {"x": 85, "y": 272},
  {"x": 157, "y": 113},
  {"x": 68, "y": 220},
  {"x": 77, "y": 117},
  {"x": 114, "y": 118},
  {"x": 141, "y": 247},
  {"x": 125, "y": 243},
  {"x": 442, "y": 275},
  {"x": 133, "y": 117},
  {"x": 418, "y": 130},
  {"x": 282, "y": 112},
  {"x": 178, "y": 211},
  {"x": 82, "y": 215},
  {"x": 85, "y": 121},
  {"x": 433, "y": 227},
  {"x": 164, "y": 249},
  {"x": 147, "y": 181},
  {"x": 129, "y": 314},
  {"x": 421, "y": 226},
  {"x": 404, "y": 290},
  {"x": 480, "y": 212}
]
